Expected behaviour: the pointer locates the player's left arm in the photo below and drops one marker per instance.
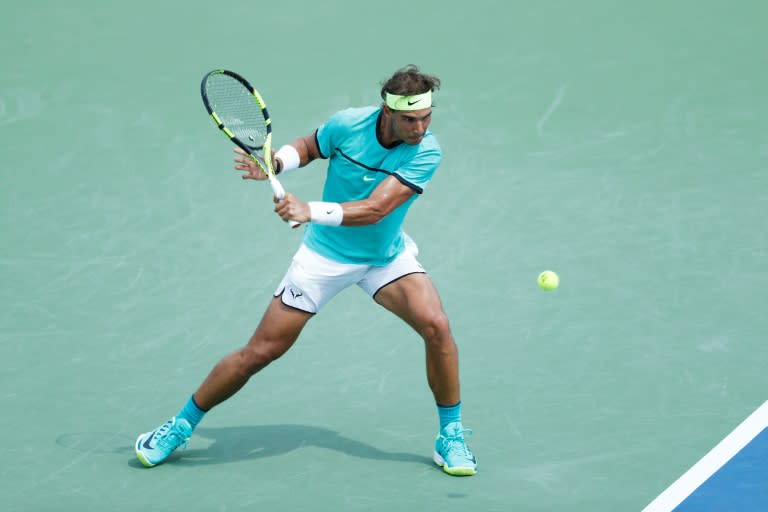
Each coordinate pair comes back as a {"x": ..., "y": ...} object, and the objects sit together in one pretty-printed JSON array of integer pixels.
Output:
[{"x": 387, "y": 196}]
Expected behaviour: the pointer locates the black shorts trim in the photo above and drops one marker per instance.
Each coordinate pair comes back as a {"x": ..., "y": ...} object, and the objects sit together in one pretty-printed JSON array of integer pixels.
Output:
[
  {"x": 280, "y": 294},
  {"x": 393, "y": 281}
]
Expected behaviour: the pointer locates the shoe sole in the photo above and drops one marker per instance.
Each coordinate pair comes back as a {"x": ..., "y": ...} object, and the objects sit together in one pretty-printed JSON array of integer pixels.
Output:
[
  {"x": 453, "y": 471},
  {"x": 140, "y": 455}
]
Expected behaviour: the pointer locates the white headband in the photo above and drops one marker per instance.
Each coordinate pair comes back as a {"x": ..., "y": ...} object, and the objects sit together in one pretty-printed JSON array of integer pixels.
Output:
[{"x": 415, "y": 102}]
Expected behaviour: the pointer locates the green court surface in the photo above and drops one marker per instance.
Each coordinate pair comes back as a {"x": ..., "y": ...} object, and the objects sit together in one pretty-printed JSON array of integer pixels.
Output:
[{"x": 621, "y": 144}]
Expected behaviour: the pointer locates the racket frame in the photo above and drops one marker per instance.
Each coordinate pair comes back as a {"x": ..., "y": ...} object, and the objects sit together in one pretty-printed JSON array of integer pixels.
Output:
[{"x": 264, "y": 163}]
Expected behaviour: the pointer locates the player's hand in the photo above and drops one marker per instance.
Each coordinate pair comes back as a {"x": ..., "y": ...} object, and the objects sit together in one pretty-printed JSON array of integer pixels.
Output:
[
  {"x": 252, "y": 170},
  {"x": 292, "y": 208}
]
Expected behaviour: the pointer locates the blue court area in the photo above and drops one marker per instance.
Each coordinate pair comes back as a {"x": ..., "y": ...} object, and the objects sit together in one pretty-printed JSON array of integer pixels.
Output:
[{"x": 731, "y": 477}]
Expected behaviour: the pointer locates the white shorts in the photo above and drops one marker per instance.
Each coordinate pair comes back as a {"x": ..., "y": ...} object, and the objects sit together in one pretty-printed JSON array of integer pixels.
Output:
[{"x": 312, "y": 280}]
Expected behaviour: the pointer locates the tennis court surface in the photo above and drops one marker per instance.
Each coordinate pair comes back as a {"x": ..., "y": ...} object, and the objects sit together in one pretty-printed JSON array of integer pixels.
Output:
[{"x": 622, "y": 146}]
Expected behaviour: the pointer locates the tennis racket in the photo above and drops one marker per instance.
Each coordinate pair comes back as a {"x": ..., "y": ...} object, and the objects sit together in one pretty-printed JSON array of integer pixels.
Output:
[{"x": 239, "y": 111}]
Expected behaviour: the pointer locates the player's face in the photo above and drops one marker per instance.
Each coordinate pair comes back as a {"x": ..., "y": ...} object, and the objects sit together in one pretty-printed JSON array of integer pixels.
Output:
[{"x": 411, "y": 125}]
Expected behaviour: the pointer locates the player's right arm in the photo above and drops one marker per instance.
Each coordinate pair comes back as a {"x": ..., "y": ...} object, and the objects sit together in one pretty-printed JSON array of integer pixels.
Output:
[{"x": 307, "y": 149}]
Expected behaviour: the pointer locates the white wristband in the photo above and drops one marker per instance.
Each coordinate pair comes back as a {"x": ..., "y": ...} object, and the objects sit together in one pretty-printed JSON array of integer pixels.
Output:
[
  {"x": 329, "y": 214},
  {"x": 289, "y": 157}
]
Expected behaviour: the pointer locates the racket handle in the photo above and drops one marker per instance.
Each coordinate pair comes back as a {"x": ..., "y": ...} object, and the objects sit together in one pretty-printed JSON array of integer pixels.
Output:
[{"x": 279, "y": 191}]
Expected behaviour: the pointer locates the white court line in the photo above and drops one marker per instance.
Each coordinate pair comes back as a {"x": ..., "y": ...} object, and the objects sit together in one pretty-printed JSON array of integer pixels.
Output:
[
  {"x": 711, "y": 462},
  {"x": 555, "y": 103}
]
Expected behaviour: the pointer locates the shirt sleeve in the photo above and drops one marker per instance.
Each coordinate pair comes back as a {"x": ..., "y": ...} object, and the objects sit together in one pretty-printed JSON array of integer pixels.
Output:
[
  {"x": 418, "y": 171},
  {"x": 329, "y": 133}
]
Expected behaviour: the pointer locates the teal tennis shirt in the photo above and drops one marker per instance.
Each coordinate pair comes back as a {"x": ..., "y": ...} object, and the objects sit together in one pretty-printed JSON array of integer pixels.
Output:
[{"x": 357, "y": 163}]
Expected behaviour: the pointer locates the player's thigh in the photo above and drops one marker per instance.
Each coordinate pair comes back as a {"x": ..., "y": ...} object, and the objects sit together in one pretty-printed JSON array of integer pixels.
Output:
[
  {"x": 278, "y": 330},
  {"x": 415, "y": 299}
]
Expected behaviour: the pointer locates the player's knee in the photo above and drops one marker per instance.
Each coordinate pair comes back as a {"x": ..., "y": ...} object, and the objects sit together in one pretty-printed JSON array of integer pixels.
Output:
[
  {"x": 435, "y": 328},
  {"x": 255, "y": 357}
]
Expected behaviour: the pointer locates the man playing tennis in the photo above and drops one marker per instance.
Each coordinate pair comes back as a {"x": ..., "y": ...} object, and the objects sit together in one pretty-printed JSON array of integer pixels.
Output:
[{"x": 380, "y": 160}]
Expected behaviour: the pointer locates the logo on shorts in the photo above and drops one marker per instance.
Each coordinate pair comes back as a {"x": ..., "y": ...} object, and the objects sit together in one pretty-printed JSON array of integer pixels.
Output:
[{"x": 294, "y": 293}]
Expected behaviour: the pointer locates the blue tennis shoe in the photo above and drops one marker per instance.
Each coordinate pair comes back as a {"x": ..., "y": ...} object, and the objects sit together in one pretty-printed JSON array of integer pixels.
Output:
[
  {"x": 452, "y": 452},
  {"x": 152, "y": 448}
]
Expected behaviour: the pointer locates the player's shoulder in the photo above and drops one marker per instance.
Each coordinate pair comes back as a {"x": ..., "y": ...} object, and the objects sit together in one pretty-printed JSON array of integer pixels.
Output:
[
  {"x": 429, "y": 143},
  {"x": 428, "y": 149}
]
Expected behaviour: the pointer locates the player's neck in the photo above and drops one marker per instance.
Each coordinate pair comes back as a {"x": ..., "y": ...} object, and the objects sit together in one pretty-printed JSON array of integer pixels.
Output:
[{"x": 385, "y": 132}]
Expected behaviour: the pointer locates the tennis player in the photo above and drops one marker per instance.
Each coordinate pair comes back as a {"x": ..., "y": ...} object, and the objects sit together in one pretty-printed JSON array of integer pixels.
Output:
[{"x": 380, "y": 159}]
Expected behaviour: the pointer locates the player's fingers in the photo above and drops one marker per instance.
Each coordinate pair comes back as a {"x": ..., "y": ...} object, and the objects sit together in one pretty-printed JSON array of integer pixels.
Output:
[
  {"x": 245, "y": 161},
  {"x": 286, "y": 199}
]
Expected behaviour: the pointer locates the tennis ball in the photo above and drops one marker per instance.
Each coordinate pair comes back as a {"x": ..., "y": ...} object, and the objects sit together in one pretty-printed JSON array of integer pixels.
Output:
[{"x": 548, "y": 280}]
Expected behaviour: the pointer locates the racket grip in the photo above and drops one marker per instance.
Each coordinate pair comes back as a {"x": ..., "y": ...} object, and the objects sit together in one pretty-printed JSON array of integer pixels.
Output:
[{"x": 279, "y": 191}]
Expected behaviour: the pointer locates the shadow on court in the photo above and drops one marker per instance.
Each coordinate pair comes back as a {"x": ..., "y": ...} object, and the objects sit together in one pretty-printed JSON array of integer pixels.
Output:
[
  {"x": 96, "y": 442},
  {"x": 232, "y": 444}
]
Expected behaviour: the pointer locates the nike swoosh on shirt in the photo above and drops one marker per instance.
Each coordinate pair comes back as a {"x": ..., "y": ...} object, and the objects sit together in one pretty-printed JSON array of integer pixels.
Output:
[{"x": 368, "y": 178}]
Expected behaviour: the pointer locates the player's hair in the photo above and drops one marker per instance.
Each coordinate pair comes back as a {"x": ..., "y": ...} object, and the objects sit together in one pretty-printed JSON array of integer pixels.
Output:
[{"x": 409, "y": 81}]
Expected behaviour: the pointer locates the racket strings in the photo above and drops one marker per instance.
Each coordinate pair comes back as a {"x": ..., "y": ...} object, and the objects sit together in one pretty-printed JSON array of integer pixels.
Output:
[{"x": 237, "y": 109}]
